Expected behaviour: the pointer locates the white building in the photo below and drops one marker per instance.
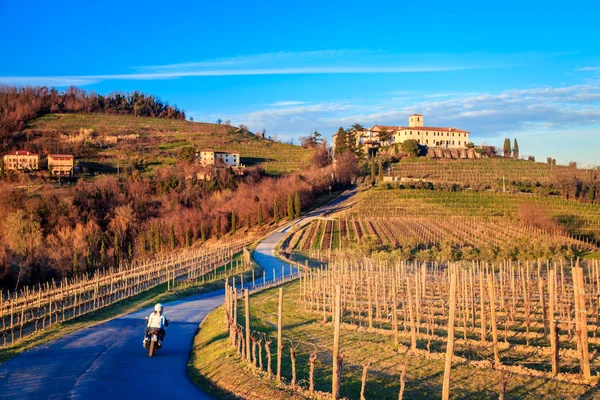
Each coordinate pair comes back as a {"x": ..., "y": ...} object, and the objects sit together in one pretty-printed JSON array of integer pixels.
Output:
[
  {"x": 212, "y": 157},
  {"x": 21, "y": 160},
  {"x": 431, "y": 136}
]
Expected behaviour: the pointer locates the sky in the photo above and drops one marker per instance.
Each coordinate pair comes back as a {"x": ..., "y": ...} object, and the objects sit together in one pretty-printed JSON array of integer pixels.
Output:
[{"x": 525, "y": 69}]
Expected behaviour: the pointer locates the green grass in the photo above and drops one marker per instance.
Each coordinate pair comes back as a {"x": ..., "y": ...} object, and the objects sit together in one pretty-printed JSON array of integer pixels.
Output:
[
  {"x": 213, "y": 353},
  {"x": 335, "y": 238},
  {"x": 160, "y": 140}
]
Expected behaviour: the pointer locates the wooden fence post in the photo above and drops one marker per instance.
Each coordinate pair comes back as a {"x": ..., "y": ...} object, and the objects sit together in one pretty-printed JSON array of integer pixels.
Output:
[
  {"x": 337, "y": 377},
  {"x": 247, "y": 304},
  {"x": 279, "y": 339},
  {"x": 450, "y": 338}
]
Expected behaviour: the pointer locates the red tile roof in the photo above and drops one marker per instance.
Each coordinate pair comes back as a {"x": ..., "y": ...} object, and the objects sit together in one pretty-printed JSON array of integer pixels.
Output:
[
  {"x": 21, "y": 153},
  {"x": 61, "y": 156},
  {"x": 387, "y": 128},
  {"x": 420, "y": 115},
  {"x": 431, "y": 128},
  {"x": 419, "y": 128},
  {"x": 219, "y": 151}
]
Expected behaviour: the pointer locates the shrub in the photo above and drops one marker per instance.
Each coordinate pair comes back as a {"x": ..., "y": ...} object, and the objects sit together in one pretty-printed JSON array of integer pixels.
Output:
[{"x": 412, "y": 148}]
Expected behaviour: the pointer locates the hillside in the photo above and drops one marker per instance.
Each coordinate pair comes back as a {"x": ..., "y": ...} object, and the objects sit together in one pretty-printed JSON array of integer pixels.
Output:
[{"x": 112, "y": 140}]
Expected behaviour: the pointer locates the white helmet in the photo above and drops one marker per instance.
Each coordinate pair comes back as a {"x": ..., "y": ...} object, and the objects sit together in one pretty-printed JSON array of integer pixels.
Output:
[{"x": 158, "y": 307}]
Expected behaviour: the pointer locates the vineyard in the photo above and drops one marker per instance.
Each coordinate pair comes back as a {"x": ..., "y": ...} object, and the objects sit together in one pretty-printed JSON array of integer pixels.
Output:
[
  {"x": 529, "y": 318},
  {"x": 432, "y": 294},
  {"x": 462, "y": 330},
  {"x": 491, "y": 173},
  {"x": 437, "y": 239},
  {"x": 572, "y": 217}
]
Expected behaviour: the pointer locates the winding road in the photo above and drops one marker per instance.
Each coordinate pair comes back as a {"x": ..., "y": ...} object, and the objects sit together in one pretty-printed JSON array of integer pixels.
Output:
[{"x": 108, "y": 361}]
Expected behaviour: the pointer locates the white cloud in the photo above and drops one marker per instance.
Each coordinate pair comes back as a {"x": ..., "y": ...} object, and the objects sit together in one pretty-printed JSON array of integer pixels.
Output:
[
  {"x": 55, "y": 81},
  {"x": 307, "y": 62},
  {"x": 588, "y": 69},
  {"x": 515, "y": 111},
  {"x": 287, "y": 103}
]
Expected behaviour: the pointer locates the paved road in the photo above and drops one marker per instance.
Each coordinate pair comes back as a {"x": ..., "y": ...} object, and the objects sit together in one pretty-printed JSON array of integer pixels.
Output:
[{"x": 108, "y": 361}]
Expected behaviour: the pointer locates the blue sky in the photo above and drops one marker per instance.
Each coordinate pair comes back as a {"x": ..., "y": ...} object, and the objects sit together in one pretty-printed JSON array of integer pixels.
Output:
[{"x": 524, "y": 69}]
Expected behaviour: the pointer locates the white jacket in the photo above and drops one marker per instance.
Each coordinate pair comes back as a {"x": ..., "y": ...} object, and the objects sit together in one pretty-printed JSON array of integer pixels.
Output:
[{"x": 156, "y": 320}]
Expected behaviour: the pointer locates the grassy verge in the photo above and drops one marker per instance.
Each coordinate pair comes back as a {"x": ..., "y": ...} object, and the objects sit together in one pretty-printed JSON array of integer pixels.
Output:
[
  {"x": 217, "y": 369},
  {"x": 214, "y": 363},
  {"x": 123, "y": 307}
]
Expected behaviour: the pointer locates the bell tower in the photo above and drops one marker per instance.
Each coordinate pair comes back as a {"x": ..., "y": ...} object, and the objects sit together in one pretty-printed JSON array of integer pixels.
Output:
[{"x": 415, "y": 120}]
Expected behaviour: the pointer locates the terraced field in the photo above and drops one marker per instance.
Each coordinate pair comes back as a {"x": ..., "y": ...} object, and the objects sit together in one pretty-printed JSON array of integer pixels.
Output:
[
  {"x": 160, "y": 140},
  {"x": 576, "y": 218},
  {"x": 492, "y": 173}
]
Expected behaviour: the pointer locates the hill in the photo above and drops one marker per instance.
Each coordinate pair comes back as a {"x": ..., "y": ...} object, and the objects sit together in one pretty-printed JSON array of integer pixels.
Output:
[{"x": 107, "y": 140}]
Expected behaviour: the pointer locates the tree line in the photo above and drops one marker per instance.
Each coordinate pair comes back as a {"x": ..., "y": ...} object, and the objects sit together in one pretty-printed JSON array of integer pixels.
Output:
[
  {"x": 62, "y": 232},
  {"x": 19, "y": 105}
]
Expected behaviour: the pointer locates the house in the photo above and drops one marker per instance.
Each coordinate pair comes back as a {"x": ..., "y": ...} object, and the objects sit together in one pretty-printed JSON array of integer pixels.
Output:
[
  {"x": 21, "y": 160},
  {"x": 212, "y": 157},
  {"x": 60, "y": 164}
]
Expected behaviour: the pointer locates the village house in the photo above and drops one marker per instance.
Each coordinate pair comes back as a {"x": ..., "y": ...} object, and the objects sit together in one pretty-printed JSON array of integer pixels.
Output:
[
  {"x": 21, "y": 160},
  {"x": 60, "y": 164},
  {"x": 211, "y": 157}
]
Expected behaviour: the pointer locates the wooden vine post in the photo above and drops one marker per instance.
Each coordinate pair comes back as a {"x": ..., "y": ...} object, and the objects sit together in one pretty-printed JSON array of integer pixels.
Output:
[
  {"x": 492, "y": 294},
  {"x": 413, "y": 330},
  {"x": 402, "y": 381},
  {"x": 337, "y": 368},
  {"x": 553, "y": 330},
  {"x": 450, "y": 338},
  {"x": 364, "y": 380},
  {"x": 279, "y": 339},
  {"x": 312, "y": 360},
  {"x": 581, "y": 318}
]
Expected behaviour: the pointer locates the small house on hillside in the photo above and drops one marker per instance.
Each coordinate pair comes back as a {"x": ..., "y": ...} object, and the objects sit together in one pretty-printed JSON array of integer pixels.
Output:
[
  {"x": 212, "y": 157},
  {"x": 21, "y": 160},
  {"x": 60, "y": 164}
]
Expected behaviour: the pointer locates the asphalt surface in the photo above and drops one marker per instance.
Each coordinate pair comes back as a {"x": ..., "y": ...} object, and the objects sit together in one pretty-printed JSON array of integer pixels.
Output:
[{"x": 108, "y": 361}]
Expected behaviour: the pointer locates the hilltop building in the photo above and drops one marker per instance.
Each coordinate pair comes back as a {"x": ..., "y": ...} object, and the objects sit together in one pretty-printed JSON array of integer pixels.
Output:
[
  {"x": 60, "y": 164},
  {"x": 21, "y": 160},
  {"x": 212, "y": 157},
  {"x": 430, "y": 136}
]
